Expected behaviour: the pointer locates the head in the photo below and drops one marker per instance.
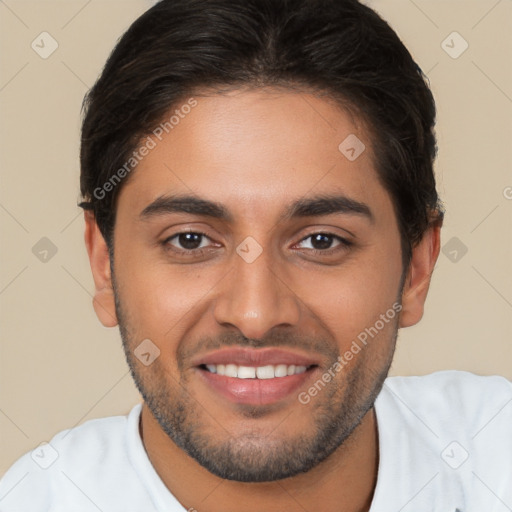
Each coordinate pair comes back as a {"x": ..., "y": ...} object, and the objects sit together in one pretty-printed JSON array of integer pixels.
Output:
[{"x": 258, "y": 175}]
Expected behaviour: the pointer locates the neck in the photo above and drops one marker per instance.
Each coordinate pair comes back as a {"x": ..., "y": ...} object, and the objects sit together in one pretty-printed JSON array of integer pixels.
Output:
[{"x": 344, "y": 481}]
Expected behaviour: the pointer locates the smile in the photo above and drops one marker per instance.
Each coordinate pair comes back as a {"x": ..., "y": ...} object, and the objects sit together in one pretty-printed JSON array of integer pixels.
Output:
[{"x": 259, "y": 372}]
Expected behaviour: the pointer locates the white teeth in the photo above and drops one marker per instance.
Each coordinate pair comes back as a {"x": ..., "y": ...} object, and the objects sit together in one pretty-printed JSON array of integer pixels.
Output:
[
  {"x": 231, "y": 370},
  {"x": 246, "y": 372},
  {"x": 251, "y": 372},
  {"x": 281, "y": 370},
  {"x": 265, "y": 372}
]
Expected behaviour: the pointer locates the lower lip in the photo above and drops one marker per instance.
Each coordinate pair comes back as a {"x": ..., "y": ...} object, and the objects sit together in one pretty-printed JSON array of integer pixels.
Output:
[{"x": 255, "y": 391}]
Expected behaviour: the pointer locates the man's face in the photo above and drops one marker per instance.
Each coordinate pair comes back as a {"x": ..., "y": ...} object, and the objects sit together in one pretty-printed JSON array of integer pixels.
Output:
[{"x": 260, "y": 289}]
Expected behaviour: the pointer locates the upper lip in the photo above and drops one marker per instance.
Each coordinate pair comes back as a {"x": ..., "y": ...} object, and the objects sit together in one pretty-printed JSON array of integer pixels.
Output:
[{"x": 255, "y": 357}]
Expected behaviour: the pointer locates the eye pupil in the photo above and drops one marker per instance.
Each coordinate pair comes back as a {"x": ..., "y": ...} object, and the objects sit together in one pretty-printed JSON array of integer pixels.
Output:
[
  {"x": 190, "y": 241},
  {"x": 321, "y": 241}
]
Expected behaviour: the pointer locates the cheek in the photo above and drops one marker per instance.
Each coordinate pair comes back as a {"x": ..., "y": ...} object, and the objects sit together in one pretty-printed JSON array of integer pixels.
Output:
[
  {"x": 161, "y": 300},
  {"x": 351, "y": 299}
]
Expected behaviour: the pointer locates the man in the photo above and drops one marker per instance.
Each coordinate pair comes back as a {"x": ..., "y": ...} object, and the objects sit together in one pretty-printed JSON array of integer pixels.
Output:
[{"x": 261, "y": 219}]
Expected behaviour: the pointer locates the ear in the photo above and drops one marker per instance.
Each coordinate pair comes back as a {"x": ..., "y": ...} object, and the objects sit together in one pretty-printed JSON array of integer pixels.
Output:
[
  {"x": 417, "y": 282},
  {"x": 103, "y": 301}
]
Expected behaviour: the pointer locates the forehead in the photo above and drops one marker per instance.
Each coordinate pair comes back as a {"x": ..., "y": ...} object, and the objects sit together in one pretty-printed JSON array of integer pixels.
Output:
[{"x": 255, "y": 149}]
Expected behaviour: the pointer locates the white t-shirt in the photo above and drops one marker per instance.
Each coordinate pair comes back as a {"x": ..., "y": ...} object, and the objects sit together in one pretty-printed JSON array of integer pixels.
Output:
[{"x": 445, "y": 444}]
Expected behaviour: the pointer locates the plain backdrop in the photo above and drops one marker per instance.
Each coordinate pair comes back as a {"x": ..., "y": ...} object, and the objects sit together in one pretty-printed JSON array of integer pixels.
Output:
[{"x": 60, "y": 367}]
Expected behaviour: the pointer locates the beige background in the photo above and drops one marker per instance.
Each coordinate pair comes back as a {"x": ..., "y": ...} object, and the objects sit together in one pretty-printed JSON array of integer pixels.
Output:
[{"x": 60, "y": 367}]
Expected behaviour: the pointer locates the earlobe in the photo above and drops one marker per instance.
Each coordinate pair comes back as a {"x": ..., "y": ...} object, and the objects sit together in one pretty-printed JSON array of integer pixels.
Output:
[
  {"x": 97, "y": 249},
  {"x": 424, "y": 257}
]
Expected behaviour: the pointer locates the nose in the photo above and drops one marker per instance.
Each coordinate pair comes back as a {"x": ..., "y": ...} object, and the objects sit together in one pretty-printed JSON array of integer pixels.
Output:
[{"x": 257, "y": 297}]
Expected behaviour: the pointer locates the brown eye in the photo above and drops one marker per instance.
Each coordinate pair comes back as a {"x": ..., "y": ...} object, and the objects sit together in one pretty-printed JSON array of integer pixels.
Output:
[
  {"x": 323, "y": 242},
  {"x": 187, "y": 242}
]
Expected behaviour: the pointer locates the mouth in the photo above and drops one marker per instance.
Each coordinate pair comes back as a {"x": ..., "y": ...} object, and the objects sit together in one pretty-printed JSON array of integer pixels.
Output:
[
  {"x": 256, "y": 377},
  {"x": 269, "y": 371}
]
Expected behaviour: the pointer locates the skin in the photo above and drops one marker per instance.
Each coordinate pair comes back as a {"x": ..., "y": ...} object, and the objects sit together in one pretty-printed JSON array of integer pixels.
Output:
[{"x": 256, "y": 151}]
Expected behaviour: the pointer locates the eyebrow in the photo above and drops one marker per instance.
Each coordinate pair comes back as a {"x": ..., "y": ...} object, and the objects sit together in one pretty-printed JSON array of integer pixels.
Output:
[{"x": 316, "y": 206}]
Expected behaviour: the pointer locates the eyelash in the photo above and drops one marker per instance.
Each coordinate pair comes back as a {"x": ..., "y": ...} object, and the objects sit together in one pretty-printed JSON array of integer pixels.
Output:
[{"x": 344, "y": 244}]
